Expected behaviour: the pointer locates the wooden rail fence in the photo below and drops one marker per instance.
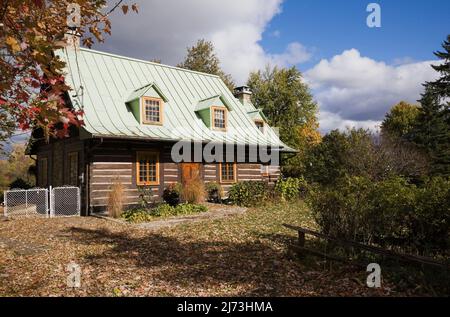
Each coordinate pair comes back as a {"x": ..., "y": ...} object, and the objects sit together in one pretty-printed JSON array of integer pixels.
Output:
[{"x": 300, "y": 248}]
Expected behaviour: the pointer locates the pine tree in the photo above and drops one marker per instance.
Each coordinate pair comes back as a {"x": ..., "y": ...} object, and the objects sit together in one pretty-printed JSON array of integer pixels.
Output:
[
  {"x": 433, "y": 130},
  {"x": 441, "y": 87},
  {"x": 202, "y": 58}
]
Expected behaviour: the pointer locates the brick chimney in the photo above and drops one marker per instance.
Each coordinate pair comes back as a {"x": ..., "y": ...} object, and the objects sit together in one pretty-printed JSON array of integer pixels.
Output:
[{"x": 243, "y": 93}]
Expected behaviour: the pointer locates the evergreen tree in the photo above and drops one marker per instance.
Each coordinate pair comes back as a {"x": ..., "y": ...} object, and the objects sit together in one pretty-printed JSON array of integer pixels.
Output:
[
  {"x": 440, "y": 88},
  {"x": 433, "y": 128},
  {"x": 202, "y": 58}
]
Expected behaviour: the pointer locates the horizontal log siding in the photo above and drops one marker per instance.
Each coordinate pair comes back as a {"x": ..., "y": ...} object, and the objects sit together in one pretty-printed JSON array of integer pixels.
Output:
[
  {"x": 211, "y": 173},
  {"x": 274, "y": 174},
  {"x": 117, "y": 160},
  {"x": 171, "y": 173},
  {"x": 249, "y": 172}
]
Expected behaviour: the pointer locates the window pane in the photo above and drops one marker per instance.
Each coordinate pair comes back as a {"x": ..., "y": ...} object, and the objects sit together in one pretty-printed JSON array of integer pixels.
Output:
[
  {"x": 148, "y": 168},
  {"x": 152, "y": 110},
  {"x": 142, "y": 171},
  {"x": 228, "y": 172},
  {"x": 219, "y": 118}
]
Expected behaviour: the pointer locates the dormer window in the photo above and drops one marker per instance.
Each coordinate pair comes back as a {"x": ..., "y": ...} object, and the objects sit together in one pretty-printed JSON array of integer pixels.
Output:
[
  {"x": 152, "y": 111},
  {"x": 219, "y": 118},
  {"x": 260, "y": 125}
]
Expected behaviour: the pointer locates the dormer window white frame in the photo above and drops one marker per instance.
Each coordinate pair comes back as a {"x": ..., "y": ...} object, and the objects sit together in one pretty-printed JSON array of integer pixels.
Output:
[
  {"x": 152, "y": 111},
  {"x": 219, "y": 118}
]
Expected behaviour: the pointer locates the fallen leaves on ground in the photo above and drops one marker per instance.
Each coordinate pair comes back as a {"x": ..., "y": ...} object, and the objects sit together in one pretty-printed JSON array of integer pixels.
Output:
[{"x": 244, "y": 255}]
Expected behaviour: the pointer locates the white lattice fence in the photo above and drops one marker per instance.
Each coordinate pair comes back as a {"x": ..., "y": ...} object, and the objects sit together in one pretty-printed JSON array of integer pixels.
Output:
[
  {"x": 26, "y": 203},
  {"x": 36, "y": 202}
]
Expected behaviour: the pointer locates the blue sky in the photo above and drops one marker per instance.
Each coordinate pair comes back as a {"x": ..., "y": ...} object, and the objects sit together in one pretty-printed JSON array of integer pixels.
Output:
[{"x": 410, "y": 29}]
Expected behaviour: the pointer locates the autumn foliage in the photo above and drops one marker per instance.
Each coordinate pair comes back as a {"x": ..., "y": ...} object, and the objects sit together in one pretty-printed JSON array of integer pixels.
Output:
[{"x": 32, "y": 86}]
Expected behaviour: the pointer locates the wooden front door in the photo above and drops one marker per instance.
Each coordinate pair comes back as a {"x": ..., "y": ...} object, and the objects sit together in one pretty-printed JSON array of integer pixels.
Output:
[{"x": 190, "y": 171}]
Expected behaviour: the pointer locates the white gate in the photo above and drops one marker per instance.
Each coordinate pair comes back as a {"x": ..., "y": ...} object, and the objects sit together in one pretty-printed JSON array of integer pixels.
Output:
[
  {"x": 26, "y": 203},
  {"x": 36, "y": 202},
  {"x": 65, "y": 202}
]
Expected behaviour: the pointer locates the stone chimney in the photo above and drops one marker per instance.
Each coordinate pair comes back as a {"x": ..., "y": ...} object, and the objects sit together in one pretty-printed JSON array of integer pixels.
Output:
[
  {"x": 243, "y": 93},
  {"x": 72, "y": 39}
]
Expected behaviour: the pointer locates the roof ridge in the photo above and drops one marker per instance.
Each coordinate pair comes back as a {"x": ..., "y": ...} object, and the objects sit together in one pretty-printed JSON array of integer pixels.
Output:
[{"x": 146, "y": 62}]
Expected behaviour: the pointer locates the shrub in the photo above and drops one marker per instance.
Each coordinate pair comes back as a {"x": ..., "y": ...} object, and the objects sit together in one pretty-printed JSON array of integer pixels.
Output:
[
  {"x": 248, "y": 193},
  {"x": 172, "y": 194},
  {"x": 430, "y": 223},
  {"x": 115, "y": 199},
  {"x": 163, "y": 210},
  {"x": 390, "y": 213},
  {"x": 215, "y": 192},
  {"x": 19, "y": 183},
  {"x": 290, "y": 188},
  {"x": 338, "y": 211},
  {"x": 189, "y": 209},
  {"x": 138, "y": 215},
  {"x": 145, "y": 196},
  {"x": 193, "y": 191}
]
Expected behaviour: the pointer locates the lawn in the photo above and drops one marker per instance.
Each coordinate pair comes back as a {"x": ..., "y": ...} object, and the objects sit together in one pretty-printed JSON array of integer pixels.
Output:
[{"x": 245, "y": 255}]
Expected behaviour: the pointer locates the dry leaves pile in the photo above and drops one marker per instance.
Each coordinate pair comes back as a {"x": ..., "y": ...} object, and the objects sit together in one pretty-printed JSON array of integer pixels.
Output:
[{"x": 240, "y": 256}]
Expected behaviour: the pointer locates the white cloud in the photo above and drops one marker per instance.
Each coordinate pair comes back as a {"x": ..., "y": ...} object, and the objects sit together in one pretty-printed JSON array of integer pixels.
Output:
[
  {"x": 330, "y": 121},
  {"x": 295, "y": 53},
  {"x": 164, "y": 28},
  {"x": 358, "y": 91}
]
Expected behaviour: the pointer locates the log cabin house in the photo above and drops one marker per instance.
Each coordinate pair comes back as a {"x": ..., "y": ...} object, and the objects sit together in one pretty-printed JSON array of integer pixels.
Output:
[{"x": 134, "y": 113}]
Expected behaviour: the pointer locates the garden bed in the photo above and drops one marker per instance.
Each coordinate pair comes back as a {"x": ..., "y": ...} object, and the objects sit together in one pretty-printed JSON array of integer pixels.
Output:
[{"x": 212, "y": 211}]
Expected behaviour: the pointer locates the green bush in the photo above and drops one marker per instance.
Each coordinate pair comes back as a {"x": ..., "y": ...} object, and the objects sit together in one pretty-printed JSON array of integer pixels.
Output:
[
  {"x": 163, "y": 210},
  {"x": 214, "y": 191},
  {"x": 390, "y": 213},
  {"x": 138, "y": 215},
  {"x": 431, "y": 220},
  {"x": 188, "y": 209},
  {"x": 290, "y": 188},
  {"x": 248, "y": 193}
]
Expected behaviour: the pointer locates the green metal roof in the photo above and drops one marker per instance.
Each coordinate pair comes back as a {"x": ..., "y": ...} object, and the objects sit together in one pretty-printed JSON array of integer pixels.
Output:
[
  {"x": 257, "y": 114},
  {"x": 140, "y": 92},
  {"x": 110, "y": 81},
  {"x": 213, "y": 101}
]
